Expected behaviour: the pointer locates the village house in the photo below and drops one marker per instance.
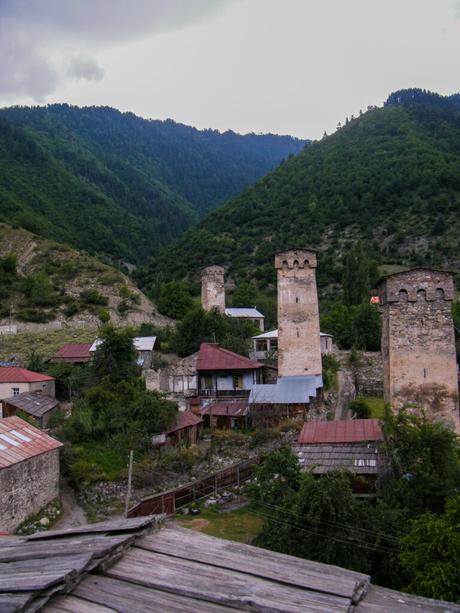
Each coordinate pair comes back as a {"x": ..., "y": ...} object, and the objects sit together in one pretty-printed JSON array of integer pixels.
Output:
[
  {"x": 72, "y": 353},
  {"x": 226, "y": 415},
  {"x": 15, "y": 381},
  {"x": 180, "y": 377},
  {"x": 37, "y": 406},
  {"x": 186, "y": 429},
  {"x": 351, "y": 445},
  {"x": 266, "y": 344},
  {"x": 144, "y": 346},
  {"x": 29, "y": 471},
  {"x": 246, "y": 314},
  {"x": 225, "y": 374}
]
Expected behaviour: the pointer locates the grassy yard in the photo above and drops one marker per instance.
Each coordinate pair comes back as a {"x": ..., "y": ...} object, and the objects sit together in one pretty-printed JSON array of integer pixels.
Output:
[
  {"x": 376, "y": 405},
  {"x": 96, "y": 461},
  {"x": 240, "y": 525}
]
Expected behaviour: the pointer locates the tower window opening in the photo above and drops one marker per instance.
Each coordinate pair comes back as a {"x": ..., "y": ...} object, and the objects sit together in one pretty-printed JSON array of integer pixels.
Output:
[
  {"x": 425, "y": 372},
  {"x": 297, "y": 299}
]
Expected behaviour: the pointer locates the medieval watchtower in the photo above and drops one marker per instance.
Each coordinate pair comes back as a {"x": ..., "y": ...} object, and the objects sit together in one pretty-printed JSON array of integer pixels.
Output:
[
  {"x": 299, "y": 346},
  {"x": 418, "y": 343},
  {"x": 212, "y": 288}
]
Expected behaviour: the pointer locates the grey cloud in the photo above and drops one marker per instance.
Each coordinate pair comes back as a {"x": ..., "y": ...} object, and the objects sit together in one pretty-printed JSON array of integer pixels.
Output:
[
  {"x": 82, "y": 67},
  {"x": 34, "y": 36}
]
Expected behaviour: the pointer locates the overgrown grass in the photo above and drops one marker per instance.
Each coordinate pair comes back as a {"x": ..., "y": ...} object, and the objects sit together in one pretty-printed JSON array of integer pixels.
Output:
[
  {"x": 376, "y": 405},
  {"x": 241, "y": 525},
  {"x": 94, "y": 461},
  {"x": 45, "y": 343}
]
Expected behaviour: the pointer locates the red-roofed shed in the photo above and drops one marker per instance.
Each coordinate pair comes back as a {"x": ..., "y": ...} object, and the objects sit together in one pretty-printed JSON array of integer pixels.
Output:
[
  {"x": 185, "y": 429},
  {"x": 229, "y": 414},
  {"x": 29, "y": 471},
  {"x": 223, "y": 373},
  {"x": 74, "y": 353}
]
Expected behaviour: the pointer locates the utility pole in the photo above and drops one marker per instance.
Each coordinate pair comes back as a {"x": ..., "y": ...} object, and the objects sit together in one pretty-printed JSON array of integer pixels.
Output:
[{"x": 130, "y": 475}]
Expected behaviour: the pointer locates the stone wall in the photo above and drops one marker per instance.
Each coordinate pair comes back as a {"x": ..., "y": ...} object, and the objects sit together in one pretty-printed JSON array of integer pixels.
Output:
[
  {"x": 299, "y": 347},
  {"x": 418, "y": 343},
  {"x": 26, "y": 487}
]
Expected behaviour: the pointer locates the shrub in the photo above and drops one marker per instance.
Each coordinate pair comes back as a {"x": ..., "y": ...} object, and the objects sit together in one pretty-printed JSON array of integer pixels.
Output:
[
  {"x": 360, "y": 409},
  {"x": 259, "y": 437},
  {"x": 92, "y": 296}
]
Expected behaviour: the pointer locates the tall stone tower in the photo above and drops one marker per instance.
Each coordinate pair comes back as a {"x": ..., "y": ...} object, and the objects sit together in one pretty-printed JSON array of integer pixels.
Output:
[
  {"x": 299, "y": 347},
  {"x": 418, "y": 343},
  {"x": 212, "y": 288}
]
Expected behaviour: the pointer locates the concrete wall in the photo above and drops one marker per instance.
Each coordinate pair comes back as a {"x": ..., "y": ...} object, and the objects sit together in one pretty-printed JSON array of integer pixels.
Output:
[
  {"x": 212, "y": 288},
  {"x": 299, "y": 346},
  {"x": 27, "y": 487},
  {"x": 418, "y": 343}
]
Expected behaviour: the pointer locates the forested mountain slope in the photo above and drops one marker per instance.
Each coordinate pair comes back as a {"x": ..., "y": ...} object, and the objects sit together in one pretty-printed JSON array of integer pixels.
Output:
[
  {"x": 116, "y": 184},
  {"x": 390, "y": 178}
]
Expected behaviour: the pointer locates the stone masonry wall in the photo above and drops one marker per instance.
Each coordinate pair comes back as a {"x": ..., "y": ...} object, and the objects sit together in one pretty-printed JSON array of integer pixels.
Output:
[
  {"x": 26, "y": 487},
  {"x": 299, "y": 346},
  {"x": 212, "y": 288},
  {"x": 418, "y": 343}
]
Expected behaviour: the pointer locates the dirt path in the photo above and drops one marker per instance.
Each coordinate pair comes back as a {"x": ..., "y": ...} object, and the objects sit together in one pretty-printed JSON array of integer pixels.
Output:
[
  {"x": 346, "y": 393},
  {"x": 72, "y": 514}
]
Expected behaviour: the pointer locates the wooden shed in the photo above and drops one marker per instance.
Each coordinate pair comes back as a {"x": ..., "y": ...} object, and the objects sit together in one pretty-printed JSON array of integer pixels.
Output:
[
  {"x": 186, "y": 429},
  {"x": 39, "y": 407}
]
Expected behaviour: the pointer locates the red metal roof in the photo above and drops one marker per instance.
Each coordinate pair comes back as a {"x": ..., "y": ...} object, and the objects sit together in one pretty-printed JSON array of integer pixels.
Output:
[
  {"x": 347, "y": 431},
  {"x": 184, "y": 419},
  {"x": 213, "y": 357},
  {"x": 13, "y": 374},
  {"x": 232, "y": 409},
  {"x": 73, "y": 352},
  {"x": 20, "y": 441}
]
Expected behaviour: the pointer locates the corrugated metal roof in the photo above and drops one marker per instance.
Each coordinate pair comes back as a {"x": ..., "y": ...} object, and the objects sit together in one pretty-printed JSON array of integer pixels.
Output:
[
  {"x": 20, "y": 441},
  {"x": 274, "y": 334},
  {"x": 287, "y": 390},
  {"x": 184, "y": 419},
  {"x": 345, "y": 431},
  {"x": 243, "y": 312},
  {"x": 359, "y": 458},
  {"x": 232, "y": 409},
  {"x": 141, "y": 343},
  {"x": 213, "y": 357},
  {"x": 73, "y": 352},
  {"x": 13, "y": 374},
  {"x": 33, "y": 403}
]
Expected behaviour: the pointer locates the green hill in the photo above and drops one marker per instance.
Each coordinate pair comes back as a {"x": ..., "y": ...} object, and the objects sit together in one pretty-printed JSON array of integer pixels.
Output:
[
  {"x": 390, "y": 178},
  {"x": 118, "y": 185}
]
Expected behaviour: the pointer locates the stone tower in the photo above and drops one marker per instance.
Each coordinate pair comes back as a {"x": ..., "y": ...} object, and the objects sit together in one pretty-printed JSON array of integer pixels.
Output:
[
  {"x": 212, "y": 288},
  {"x": 418, "y": 343},
  {"x": 299, "y": 347}
]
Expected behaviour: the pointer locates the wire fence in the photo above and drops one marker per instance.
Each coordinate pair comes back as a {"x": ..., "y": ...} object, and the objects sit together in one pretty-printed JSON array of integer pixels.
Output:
[{"x": 170, "y": 501}]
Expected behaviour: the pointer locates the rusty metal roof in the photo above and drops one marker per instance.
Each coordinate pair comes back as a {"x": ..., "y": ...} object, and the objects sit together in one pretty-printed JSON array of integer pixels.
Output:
[
  {"x": 213, "y": 357},
  {"x": 184, "y": 419},
  {"x": 345, "y": 431},
  {"x": 20, "y": 441},
  {"x": 33, "y": 403},
  {"x": 13, "y": 374},
  {"x": 73, "y": 352}
]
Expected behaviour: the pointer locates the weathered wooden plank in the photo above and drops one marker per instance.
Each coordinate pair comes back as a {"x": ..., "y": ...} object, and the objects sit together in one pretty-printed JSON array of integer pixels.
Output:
[
  {"x": 128, "y": 597},
  {"x": 112, "y": 526},
  {"x": 192, "y": 545},
  {"x": 383, "y": 600},
  {"x": 10, "y": 602},
  {"x": 83, "y": 544},
  {"x": 219, "y": 585},
  {"x": 39, "y": 574},
  {"x": 72, "y": 604}
]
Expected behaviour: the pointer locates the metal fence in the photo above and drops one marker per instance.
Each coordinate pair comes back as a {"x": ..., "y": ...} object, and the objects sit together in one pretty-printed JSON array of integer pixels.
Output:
[{"x": 170, "y": 501}]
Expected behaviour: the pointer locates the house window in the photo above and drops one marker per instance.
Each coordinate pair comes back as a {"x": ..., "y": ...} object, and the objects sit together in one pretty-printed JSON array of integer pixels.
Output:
[
  {"x": 238, "y": 382},
  {"x": 15, "y": 391},
  {"x": 261, "y": 345},
  {"x": 274, "y": 345}
]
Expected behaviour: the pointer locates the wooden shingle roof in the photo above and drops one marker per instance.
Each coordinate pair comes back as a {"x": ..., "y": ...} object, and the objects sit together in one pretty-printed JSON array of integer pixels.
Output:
[{"x": 124, "y": 566}]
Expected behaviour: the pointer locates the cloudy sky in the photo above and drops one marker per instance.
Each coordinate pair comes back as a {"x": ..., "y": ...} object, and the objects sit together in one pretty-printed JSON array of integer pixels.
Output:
[{"x": 283, "y": 66}]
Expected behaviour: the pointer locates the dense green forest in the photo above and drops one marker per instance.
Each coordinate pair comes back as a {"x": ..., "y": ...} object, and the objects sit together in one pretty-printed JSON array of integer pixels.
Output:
[
  {"x": 388, "y": 178},
  {"x": 116, "y": 184}
]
